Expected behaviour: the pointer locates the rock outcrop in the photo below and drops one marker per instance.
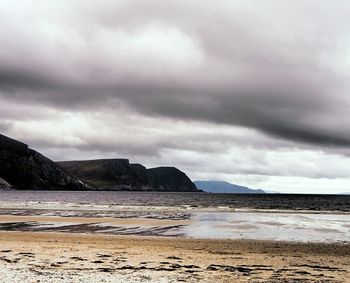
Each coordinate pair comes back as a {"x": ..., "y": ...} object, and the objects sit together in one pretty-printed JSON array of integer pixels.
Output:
[
  {"x": 4, "y": 185},
  {"x": 24, "y": 168},
  {"x": 119, "y": 174},
  {"x": 170, "y": 179}
]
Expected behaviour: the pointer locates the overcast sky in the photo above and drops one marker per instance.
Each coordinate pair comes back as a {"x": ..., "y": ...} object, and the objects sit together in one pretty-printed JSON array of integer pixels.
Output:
[{"x": 252, "y": 92}]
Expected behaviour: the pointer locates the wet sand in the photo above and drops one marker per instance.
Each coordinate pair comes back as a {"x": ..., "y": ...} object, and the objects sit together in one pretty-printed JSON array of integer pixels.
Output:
[
  {"x": 67, "y": 257},
  {"x": 55, "y": 242},
  {"x": 148, "y": 222},
  {"x": 257, "y": 225}
]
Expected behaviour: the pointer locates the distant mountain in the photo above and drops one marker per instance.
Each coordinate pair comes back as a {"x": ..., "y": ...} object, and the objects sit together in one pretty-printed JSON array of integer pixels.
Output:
[
  {"x": 120, "y": 175},
  {"x": 225, "y": 187}
]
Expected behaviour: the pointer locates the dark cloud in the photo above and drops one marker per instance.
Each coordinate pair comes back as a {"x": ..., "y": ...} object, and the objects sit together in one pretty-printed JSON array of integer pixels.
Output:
[
  {"x": 240, "y": 65},
  {"x": 232, "y": 88}
]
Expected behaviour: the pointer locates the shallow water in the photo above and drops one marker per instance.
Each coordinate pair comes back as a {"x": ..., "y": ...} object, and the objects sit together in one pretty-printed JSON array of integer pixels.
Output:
[{"x": 270, "y": 226}]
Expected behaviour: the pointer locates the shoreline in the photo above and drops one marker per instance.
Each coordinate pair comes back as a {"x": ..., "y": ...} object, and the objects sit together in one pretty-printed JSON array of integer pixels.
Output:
[
  {"x": 67, "y": 257},
  {"x": 54, "y": 241},
  {"x": 182, "y": 208}
]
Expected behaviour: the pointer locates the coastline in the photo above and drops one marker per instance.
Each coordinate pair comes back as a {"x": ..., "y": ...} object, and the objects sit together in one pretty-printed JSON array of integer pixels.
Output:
[
  {"x": 37, "y": 205},
  {"x": 68, "y": 257},
  {"x": 78, "y": 241}
]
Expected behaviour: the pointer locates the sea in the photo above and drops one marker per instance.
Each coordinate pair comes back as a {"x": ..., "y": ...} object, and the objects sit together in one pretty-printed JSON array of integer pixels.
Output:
[
  {"x": 253, "y": 201},
  {"x": 285, "y": 217}
]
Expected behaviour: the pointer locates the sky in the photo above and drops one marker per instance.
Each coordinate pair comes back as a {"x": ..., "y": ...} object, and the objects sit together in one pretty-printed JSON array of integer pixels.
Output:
[{"x": 251, "y": 92}]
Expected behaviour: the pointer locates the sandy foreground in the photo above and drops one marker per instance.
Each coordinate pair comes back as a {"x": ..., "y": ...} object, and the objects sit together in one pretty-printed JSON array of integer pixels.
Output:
[{"x": 68, "y": 257}]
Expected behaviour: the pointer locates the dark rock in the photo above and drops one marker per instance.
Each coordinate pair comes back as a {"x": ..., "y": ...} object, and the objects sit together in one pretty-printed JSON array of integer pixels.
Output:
[
  {"x": 103, "y": 255},
  {"x": 119, "y": 174},
  {"x": 106, "y": 269},
  {"x": 109, "y": 174},
  {"x": 4, "y": 185},
  {"x": 25, "y": 168},
  {"x": 170, "y": 179},
  {"x": 242, "y": 269},
  {"x": 173, "y": 257},
  {"x": 98, "y": 261},
  {"x": 78, "y": 258},
  {"x": 175, "y": 266}
]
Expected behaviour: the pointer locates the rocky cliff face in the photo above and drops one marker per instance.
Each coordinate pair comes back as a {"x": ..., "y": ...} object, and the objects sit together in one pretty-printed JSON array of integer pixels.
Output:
[
  {"x": 170, "y": 179},
  {"x": 119, "y": 174},
  {"x": 109, "y": 174},
  {"x": 4, "y": 185},
  {"x": 25, "y": 168}
]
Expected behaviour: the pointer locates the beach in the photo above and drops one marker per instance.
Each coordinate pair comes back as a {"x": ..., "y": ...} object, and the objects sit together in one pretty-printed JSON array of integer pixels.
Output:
[
  {"x": 64, "y": 241},
  {"x": 174, "y": 141},
  {"x": 67, "y": 257}
]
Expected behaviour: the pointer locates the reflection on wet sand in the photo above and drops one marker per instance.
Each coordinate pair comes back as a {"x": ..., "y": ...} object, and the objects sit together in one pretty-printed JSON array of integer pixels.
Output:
[
  {"x": 231, "y": 225},
  {"x": 270, "y": 226}
]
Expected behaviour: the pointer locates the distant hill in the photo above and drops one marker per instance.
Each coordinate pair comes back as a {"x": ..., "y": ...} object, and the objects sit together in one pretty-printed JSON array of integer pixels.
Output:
[{"x": 225, "y": 187}]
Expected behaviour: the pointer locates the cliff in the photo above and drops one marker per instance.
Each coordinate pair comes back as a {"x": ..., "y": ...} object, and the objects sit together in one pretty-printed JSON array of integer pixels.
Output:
[
  {"x": 24, "y": 168},
  {"x": 170, "y": 179},
  {"x": 119, "y": 174},
  {"x": 109, "y": 174}
]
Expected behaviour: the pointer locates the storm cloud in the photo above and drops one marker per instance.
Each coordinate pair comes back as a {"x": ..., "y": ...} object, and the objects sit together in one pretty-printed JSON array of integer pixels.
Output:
[{"x": 142, "y": 78}]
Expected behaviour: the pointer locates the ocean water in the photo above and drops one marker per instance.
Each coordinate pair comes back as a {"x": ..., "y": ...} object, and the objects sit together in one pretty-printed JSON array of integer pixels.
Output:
[{"x": 259, "y": 201}]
